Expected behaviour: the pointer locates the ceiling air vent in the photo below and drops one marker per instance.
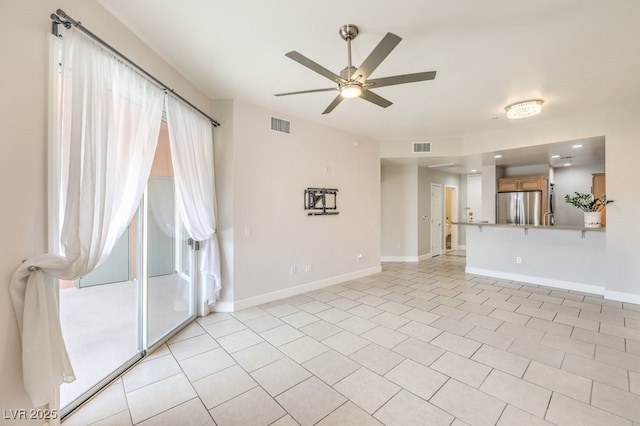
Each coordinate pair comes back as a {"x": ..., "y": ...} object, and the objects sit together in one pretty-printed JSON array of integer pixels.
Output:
[
  {"x": 280, "y": 125},
  {"x": 421, "y": 147}
]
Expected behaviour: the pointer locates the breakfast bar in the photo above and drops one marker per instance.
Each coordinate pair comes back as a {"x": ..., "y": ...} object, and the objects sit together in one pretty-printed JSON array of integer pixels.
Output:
[{"x": 566, "y": 257}]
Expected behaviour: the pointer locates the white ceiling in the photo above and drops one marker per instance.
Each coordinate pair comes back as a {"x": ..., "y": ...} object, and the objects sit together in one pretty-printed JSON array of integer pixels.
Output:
[
  {"x": 583, "y": 152},
  {"x": 574, "y": 54}
]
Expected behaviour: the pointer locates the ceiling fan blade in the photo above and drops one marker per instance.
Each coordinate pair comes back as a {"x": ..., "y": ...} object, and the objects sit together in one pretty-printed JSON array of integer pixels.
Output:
[
  {"x": 314, "y": 66},
  {"x": 333, "y": 104},
  {"x": 368, "y": 95},
  {"x": 400, "y": 79},
  {"x": 330, "y": 89},
  {"x": 375, "y": 58}
]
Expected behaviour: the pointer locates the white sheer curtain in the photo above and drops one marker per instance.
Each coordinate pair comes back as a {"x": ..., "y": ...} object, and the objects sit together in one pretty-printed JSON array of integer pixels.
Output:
[
  {"x": 109, "y": 134},
  {"x": 191, "y": 142}
]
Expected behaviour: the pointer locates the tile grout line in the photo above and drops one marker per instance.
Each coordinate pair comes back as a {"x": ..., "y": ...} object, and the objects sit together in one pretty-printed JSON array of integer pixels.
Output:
[
  {"x": 249, "y": 374},
  {"x": 190, "y": 382},
  {"x": 443, "y": 281}
]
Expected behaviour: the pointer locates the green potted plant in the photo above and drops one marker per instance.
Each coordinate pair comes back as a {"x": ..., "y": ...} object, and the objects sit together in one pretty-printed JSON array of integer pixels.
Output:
[{"x": 591, "y": 206}]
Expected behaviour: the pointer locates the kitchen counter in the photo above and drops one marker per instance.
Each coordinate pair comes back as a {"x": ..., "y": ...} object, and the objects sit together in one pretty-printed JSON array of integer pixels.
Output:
[
  {"x": 567, "y": 257},
  {"x": 526, "y": 228}
]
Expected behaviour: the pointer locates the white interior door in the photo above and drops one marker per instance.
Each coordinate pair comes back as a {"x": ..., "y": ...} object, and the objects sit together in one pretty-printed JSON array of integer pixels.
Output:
[
  {"x": 473, "y": 210},
  {"x": 436, "y": 219}
]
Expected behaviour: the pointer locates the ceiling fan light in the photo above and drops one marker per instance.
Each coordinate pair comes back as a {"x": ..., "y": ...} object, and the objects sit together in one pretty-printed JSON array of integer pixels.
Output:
[
  {"x": 524, "y": 109},
  {"x": 350, "y": 90}
]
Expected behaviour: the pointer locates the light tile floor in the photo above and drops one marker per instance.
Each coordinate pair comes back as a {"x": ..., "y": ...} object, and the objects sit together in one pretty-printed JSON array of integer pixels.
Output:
[{"x": 417, "y": 344}]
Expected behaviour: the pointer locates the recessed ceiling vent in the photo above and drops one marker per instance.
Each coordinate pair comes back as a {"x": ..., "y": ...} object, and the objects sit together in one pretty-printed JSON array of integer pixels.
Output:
[
  {"x": 280, "y": 125},
  {"x": 421, "y": 147}
]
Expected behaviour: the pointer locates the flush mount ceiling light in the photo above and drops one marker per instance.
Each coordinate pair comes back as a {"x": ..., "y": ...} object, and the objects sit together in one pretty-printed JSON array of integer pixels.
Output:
[
  {"x": 524, "y": 109},
  {"x": 350, "y": 89}
]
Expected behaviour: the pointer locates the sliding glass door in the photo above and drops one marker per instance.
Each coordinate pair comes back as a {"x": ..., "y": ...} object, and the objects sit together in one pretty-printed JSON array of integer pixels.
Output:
[
  {"x": 137, "y": 298},
  {"x": 100, "y": 319},
  {"x": 170, "y": 290}
]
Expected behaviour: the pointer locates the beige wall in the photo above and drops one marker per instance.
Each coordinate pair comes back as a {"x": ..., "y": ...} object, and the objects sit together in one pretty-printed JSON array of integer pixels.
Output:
[
  {"x": 272, "y": 231},
  {"x": 423, "y": 214},
  {"x": 399, "y": 189},
  {"x": 406, "y": 199},
  {"x": 440, "y": 146},
  {"x": 23, "y": 135}
]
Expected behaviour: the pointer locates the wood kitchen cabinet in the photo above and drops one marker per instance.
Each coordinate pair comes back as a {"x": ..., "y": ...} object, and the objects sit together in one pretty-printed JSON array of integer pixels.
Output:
[
  {"x": 527, "y": 183},
  {"x": 598, "y": 189},
  {"x": 508, "y": 184}
]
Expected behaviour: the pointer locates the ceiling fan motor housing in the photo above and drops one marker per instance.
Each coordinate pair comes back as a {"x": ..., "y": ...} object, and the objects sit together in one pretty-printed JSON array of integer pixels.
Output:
[
  {"x": 348, "y": 32},
  {"x": 348, "y": 72}
]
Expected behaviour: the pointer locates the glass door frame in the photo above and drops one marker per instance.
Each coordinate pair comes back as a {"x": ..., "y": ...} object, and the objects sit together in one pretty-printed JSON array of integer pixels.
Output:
[
  {"x": 143, "y": 231},
  {"x": 145, "y": 347}
]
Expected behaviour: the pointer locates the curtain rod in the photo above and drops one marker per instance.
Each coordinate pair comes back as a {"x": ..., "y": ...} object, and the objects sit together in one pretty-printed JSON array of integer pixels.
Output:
[{"x": 61, "y": 18}]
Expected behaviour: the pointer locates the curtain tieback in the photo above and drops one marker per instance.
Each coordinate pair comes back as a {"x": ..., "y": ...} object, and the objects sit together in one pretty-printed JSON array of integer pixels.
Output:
[{"x": 32, "y": 268}]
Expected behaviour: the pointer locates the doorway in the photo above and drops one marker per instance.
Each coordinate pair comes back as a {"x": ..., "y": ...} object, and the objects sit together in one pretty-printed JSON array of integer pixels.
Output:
[
  {"x": 451, "y": 215},
  {"x": 436, "y": 219}
]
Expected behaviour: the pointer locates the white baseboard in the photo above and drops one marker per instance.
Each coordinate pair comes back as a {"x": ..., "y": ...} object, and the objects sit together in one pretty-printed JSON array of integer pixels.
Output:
[
  {"x": 294, "y": 291},
  {"x": 223, "y": 307},
  {"x": 565, "y": 285},
  {"x": 549, "y": 282},
  {"x": 403, "y": 259},
  {"x": 622, "y": 296},
  {"x": 399, "y": 258}
]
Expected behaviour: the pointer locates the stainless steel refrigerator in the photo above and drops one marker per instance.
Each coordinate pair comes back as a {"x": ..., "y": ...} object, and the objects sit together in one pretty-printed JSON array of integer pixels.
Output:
[{"x": 519, "y": 208}]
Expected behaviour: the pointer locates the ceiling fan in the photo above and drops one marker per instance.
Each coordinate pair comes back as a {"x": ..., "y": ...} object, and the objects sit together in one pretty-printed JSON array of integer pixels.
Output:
[{"x": 353, "y": 82}]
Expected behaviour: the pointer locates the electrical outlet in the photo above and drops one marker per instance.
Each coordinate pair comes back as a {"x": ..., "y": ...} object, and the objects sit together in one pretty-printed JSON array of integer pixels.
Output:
[
  {"x": 292, "y": 271},
  {"x": 308, "y": 268},
  {"x": 398, "y": 246},
  {"x": 518, "y": 260}
]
